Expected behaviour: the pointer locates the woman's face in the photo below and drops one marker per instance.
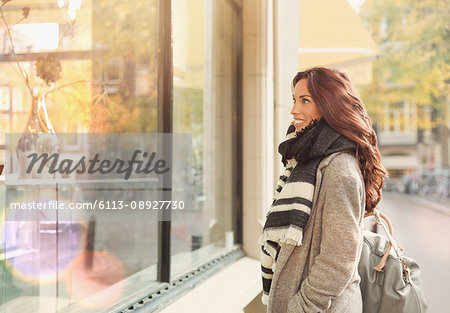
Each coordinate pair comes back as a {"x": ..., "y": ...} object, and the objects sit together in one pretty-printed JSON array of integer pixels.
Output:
[{"x": 304, "y": 109}]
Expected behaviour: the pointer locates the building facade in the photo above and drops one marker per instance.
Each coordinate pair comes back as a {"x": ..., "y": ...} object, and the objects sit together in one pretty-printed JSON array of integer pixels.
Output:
[
  {"x": 409, "y": 146},
  {"x": 217, "y": 70}
]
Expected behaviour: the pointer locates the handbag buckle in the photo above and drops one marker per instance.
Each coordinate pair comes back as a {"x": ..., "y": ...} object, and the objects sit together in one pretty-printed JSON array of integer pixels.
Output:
[
  {"x": 377, "y": 217},
  {"x": 407, "y": 274}
]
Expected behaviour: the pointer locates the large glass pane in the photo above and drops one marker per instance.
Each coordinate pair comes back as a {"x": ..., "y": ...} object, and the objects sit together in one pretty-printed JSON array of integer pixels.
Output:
[
  {"x": 205, "y": 80},
  {"x": 76, "y": 67}
]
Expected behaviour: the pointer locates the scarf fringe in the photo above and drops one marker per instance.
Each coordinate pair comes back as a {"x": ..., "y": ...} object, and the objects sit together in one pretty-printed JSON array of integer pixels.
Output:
[
  {"x": 291, "y": 236},
  {"x": 265, "y": 299}
]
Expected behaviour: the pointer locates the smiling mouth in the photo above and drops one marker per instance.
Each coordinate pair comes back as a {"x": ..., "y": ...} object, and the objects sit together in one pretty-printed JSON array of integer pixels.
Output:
[{"x": 297, "y": 122}]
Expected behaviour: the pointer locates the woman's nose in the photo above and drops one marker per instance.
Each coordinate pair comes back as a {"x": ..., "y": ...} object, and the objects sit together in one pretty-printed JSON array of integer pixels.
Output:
[{"x": 295, "y": 109}]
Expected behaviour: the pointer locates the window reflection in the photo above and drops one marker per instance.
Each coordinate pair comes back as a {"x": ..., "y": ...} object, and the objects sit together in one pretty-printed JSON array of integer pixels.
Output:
[
  {"x": 104, "y": 80},
  {"x": 104, "y": 53},
  {"x": 204, "y": 99}
]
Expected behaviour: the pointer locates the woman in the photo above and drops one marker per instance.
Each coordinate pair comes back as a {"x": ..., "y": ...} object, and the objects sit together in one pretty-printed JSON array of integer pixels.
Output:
[{"x": 311, "y": 241}]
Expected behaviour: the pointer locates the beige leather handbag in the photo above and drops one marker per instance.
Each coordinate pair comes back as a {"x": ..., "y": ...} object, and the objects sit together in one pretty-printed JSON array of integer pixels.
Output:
[{"x": 390, "y": 281}]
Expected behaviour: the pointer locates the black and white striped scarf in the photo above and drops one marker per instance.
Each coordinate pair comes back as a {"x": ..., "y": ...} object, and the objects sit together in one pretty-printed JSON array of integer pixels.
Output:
[{"x": 292, "y": 203}]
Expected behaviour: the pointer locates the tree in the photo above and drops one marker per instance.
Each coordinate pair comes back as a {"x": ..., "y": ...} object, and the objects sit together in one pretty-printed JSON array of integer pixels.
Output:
[
  {"x": 413, "y": 38},
  {"x": 127, "y": 36}
]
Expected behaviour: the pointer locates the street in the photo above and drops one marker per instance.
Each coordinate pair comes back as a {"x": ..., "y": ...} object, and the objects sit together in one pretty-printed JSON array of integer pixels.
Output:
[{"x": 422, "y": 229}]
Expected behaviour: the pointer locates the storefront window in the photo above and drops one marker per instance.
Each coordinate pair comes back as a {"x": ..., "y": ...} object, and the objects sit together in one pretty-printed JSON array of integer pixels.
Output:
[
  {"x": 205, "y": 97},
  {"x": 91, "y": 67}
]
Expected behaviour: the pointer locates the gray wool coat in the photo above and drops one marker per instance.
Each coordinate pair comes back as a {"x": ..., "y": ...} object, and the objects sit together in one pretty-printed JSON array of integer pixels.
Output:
[{"x": 321, "y": 275}]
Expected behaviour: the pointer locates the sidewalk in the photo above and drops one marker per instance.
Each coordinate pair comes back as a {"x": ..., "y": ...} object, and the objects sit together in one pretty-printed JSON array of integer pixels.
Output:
[{"x": 441, "y": 206}]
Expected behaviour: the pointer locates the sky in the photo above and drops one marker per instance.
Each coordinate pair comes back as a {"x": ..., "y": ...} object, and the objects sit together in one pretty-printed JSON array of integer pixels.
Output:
[{"x": 356, "y": 4}]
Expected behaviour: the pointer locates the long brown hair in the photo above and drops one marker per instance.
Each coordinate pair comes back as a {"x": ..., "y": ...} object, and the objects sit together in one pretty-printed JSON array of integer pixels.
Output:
[{"x": 344, "y": 111}]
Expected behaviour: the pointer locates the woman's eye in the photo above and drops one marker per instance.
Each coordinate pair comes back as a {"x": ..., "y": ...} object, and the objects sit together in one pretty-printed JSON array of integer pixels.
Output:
[{"x": 305, "y": 100}]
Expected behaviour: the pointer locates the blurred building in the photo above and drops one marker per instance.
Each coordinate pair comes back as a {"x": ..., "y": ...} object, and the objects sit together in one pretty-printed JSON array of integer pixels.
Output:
[{"x": 406, "y": 147}]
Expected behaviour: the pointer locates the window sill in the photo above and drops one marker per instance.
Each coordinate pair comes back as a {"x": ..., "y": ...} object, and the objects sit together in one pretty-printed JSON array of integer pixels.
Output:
[{"x": 229, "y": 290}]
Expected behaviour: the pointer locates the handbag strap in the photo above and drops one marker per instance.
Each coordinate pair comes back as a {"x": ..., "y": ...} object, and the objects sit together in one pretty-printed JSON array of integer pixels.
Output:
[{"x": 392, "y": 243}]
